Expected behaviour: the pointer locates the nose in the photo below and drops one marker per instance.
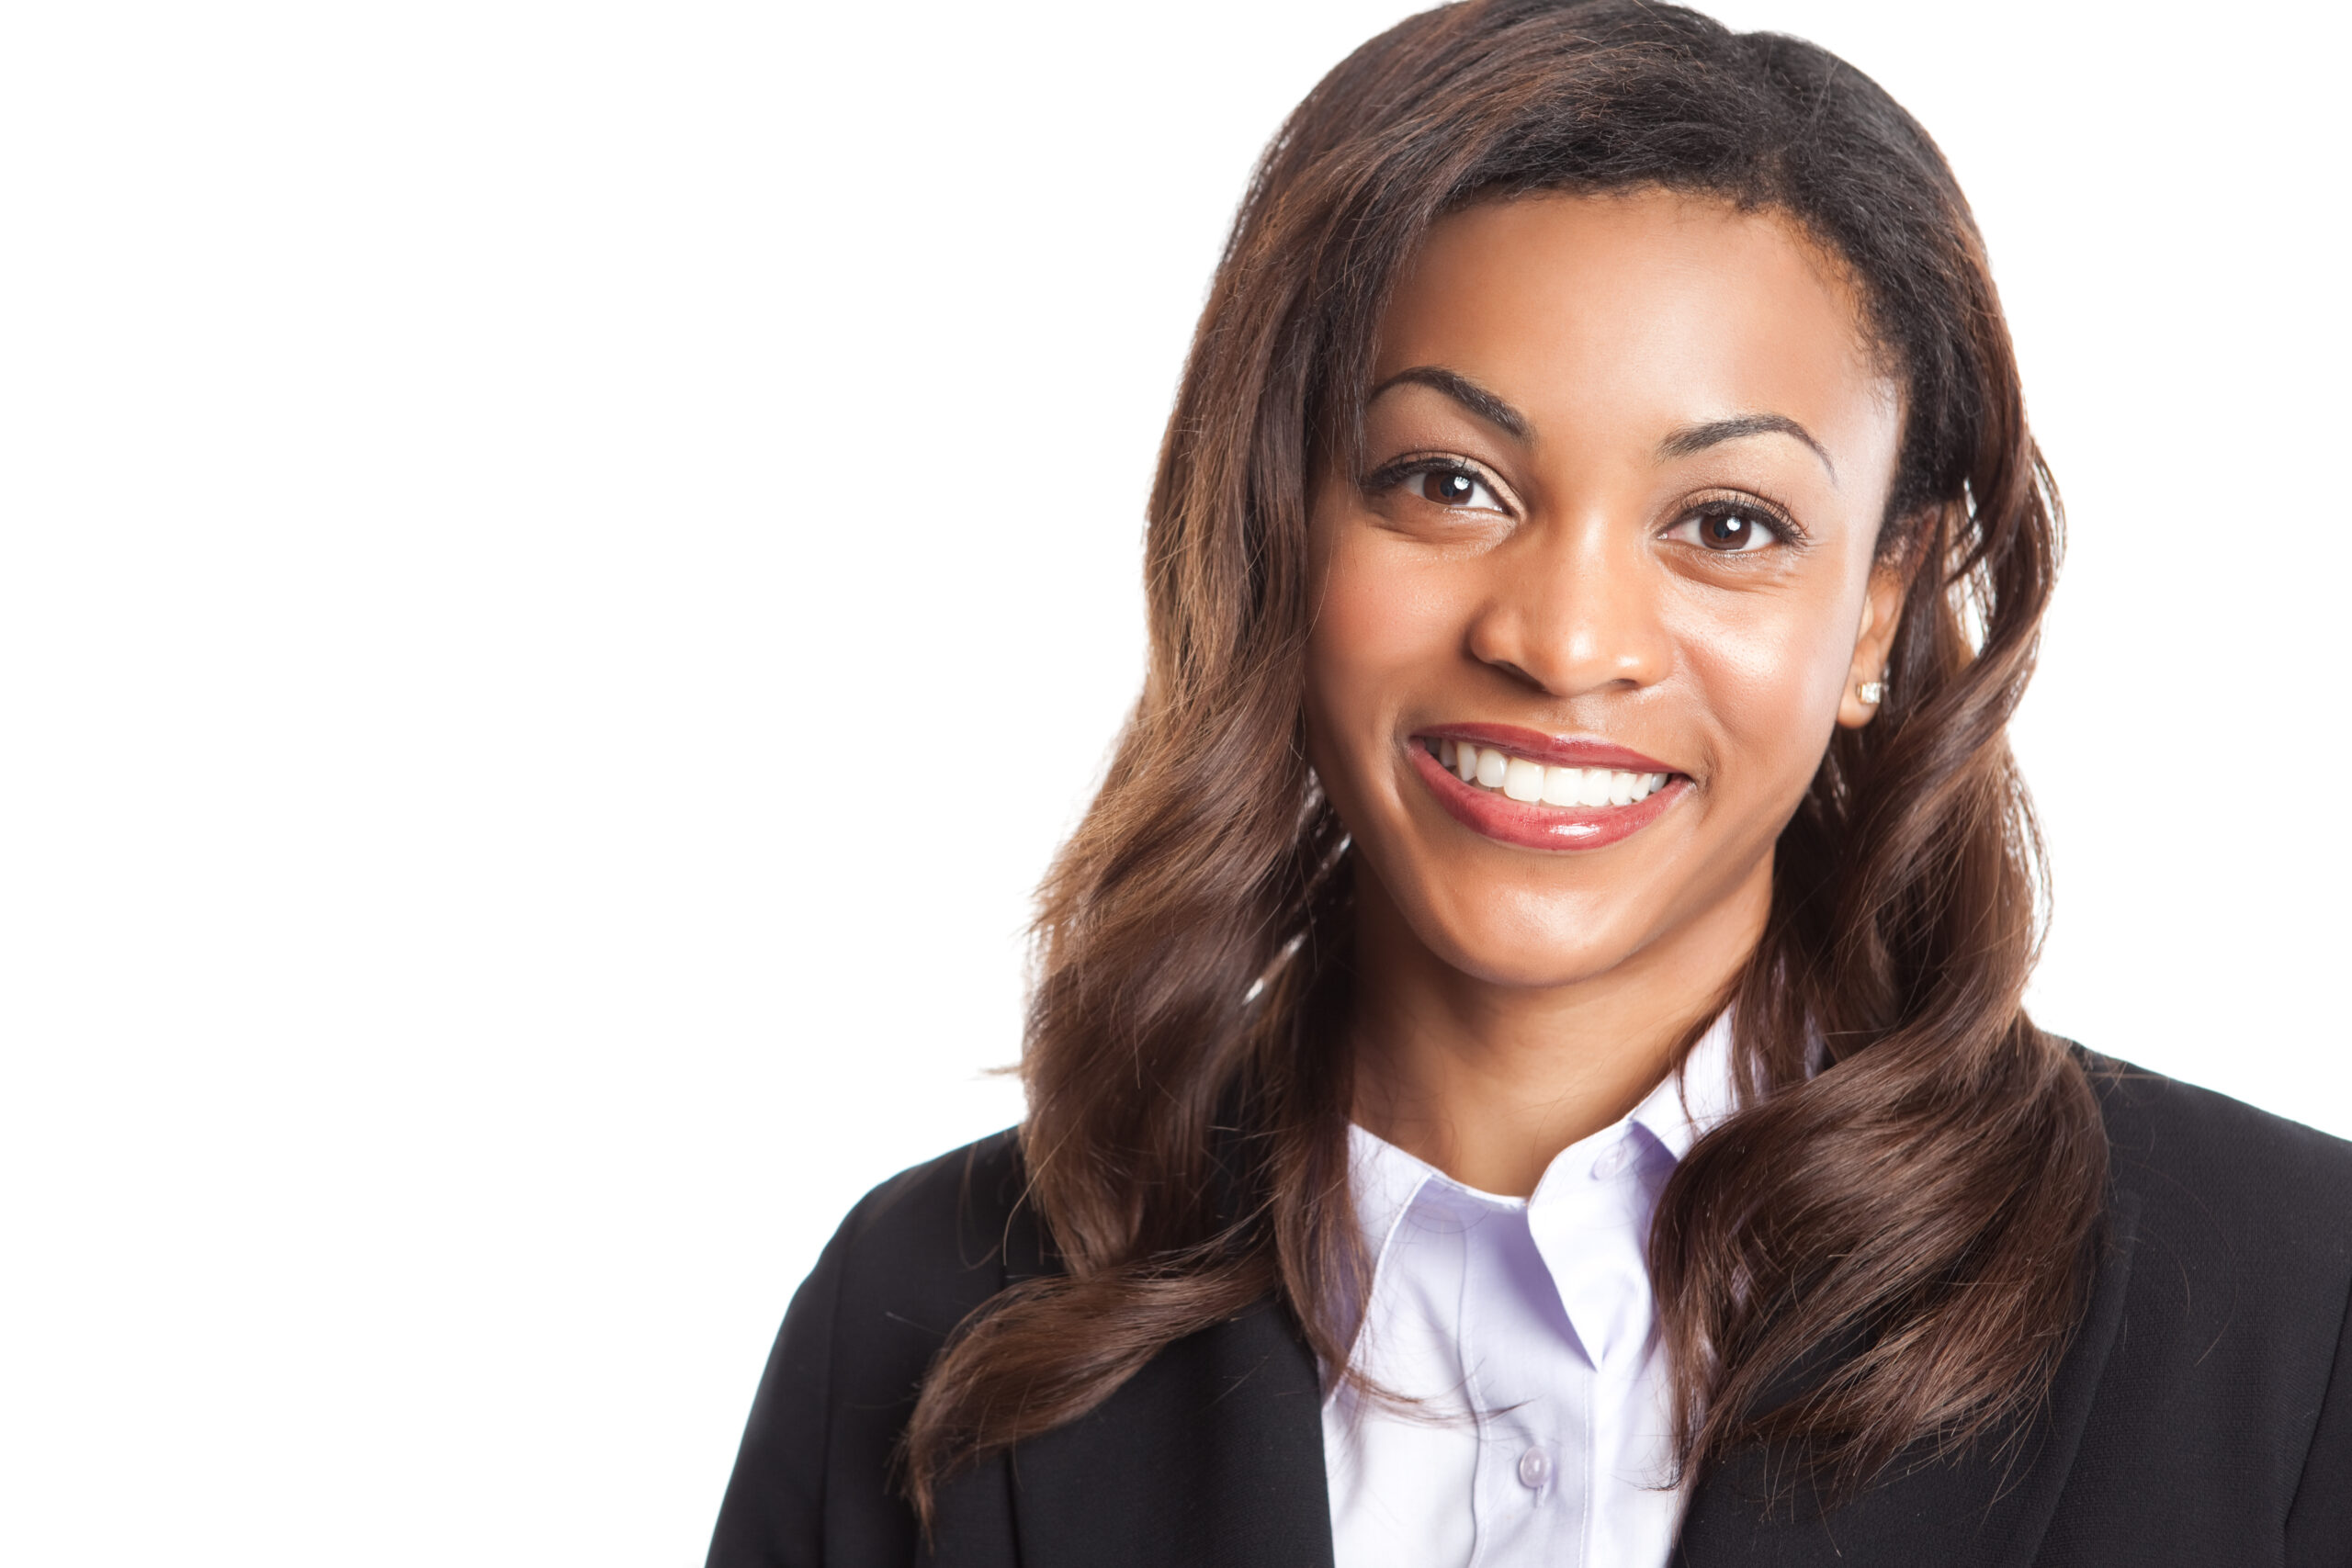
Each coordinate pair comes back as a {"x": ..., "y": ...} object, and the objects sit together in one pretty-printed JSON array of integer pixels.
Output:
[{"x": 1575, "y": 608}]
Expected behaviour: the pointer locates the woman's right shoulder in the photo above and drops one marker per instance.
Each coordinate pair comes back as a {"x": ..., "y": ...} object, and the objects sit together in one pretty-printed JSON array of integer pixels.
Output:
[
  {"x": 913, "y": 1259},
  {"x": 941, "y": 1226}
]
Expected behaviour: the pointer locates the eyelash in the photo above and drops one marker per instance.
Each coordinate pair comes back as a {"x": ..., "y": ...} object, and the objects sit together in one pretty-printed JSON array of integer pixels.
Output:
[
  {"x": 1783, "y": 526},
  {"x": 1394, "y": 474}
]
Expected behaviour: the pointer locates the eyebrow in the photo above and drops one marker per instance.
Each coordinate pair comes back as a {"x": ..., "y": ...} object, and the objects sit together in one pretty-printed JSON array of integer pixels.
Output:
[
  {"x": 1683, "y": 443},
  {"x": 1468, "y": 393},
  {"x": 1693, "y": 438}
]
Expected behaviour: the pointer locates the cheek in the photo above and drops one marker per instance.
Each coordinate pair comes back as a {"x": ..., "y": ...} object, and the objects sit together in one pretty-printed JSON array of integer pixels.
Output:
[
  {"x": 1772, "y": 677},
  {"x": 1380, "y": 618}
]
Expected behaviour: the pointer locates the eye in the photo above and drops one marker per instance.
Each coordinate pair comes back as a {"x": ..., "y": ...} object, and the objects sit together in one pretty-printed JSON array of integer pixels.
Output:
[
  {"x": 1456, "y": 487},
  {"x": 1729, "y": 528}
]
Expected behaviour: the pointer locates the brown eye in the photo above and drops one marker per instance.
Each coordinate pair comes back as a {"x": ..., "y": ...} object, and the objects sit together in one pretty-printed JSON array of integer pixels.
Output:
[
  {"x": 1728, "y": 530},
  {"x": 1458, "y": 488}
]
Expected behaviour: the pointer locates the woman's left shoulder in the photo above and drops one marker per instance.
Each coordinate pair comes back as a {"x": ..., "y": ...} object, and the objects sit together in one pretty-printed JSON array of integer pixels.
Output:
[
  {"x": 2240, "y": 1222},
  {"x": 2216, "y": 1336},
  {"x": 2255, "y": 1173}
]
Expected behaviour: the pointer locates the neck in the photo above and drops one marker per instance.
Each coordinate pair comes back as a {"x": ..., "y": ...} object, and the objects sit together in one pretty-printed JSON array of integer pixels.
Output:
[{"x": 1489, "y": 1081}]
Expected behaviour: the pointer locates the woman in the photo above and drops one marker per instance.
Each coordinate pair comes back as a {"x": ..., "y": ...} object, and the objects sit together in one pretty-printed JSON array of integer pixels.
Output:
[{"x": 1527, "y": 1062}]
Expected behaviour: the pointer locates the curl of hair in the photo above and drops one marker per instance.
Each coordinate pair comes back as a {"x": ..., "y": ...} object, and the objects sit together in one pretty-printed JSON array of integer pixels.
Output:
[{"x": 1925, "y": 1201}]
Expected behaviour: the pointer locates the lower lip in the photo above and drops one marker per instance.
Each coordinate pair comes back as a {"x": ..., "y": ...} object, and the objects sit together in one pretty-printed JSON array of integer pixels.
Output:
[{"x": 1536, "y": 826}]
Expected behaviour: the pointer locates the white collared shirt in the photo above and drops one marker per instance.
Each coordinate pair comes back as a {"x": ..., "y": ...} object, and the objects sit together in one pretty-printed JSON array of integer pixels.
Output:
[{"x": 1524, "y": 1326}]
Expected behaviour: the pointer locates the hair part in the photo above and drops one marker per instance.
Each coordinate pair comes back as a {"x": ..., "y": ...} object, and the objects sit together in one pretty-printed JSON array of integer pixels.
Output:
[{"x": 1927, "y": 1200}]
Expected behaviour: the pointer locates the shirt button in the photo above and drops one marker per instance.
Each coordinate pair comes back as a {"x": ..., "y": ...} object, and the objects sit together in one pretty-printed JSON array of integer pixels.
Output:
[
  {"x": 1609, "y": 1163},
  {"x": 1534, "y": 1469}
]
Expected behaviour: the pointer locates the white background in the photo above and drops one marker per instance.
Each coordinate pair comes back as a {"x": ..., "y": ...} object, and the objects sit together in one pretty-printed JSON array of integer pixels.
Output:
[{"x": 562, "y": 569}]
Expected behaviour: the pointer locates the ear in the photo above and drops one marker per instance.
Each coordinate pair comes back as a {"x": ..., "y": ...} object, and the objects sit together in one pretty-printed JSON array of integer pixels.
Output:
[{"x": 1882, "y": 609}]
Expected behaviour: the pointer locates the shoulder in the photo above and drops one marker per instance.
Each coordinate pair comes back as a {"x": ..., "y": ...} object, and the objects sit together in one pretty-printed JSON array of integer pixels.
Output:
[
  {"x": 924, "y": 1248},
  {"x": 2220, "y": 1393},
  {"x": 2179, "y": 1146},
  {"x": 2228, "y": 1195},
  {"x": 939, "y": 1198},
  {"x": 915, "y": 1257}
]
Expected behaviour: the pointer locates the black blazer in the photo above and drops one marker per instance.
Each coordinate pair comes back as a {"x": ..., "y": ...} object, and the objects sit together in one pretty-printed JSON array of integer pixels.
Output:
[{"x": 2202, "y": 1417}]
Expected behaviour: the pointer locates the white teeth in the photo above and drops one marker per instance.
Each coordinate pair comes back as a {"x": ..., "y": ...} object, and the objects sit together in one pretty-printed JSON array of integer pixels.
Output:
[{"x": 1524, "y": 780}]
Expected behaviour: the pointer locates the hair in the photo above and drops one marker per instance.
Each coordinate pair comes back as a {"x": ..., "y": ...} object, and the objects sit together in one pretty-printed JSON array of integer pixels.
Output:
[{"x": 1922, "y": 1201}]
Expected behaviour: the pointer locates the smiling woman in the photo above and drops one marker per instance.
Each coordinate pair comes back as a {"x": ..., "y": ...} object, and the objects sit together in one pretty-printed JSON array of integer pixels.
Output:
[{"x": 1527, "y": 1061}]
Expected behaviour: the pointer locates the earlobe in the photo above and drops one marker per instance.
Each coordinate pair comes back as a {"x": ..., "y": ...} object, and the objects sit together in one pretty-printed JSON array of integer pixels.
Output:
[
  {"x": 1861, "y": 703},
  {"x": 1866, "y": 678}
]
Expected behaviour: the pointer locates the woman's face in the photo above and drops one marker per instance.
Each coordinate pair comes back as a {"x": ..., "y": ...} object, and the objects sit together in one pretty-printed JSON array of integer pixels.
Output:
[{"x": 1611, "y": 557}]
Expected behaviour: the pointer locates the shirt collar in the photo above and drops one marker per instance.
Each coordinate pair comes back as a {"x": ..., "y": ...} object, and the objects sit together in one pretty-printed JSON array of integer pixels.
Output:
[
  {"x": 1688, "y": 1105},
  {"x": 1386, "y": 1181}
]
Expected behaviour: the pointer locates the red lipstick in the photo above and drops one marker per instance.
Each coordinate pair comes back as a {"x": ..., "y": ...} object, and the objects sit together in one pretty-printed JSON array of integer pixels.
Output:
[{"x": 1530, "y": 823}]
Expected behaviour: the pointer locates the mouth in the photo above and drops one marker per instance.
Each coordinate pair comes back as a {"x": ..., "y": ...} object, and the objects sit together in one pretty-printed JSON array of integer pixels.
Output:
[
  {"x": 1532, "y": 791},
  {"x": 1526, "y": 781}
]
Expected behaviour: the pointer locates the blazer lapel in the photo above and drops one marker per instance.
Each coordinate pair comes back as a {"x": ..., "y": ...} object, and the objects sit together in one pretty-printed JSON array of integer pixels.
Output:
[
  {"x": 1981, "y": 1510},
  {"x": 1213, "y": 1453}
]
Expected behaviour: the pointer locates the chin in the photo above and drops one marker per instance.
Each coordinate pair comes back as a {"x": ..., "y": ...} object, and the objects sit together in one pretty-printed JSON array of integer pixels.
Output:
[{"x": 1545, "y": 941}]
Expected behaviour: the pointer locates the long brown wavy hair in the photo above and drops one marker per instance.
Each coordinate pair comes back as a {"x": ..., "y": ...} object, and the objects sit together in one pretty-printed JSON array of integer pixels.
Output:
[{"x": 1925, "y": 1202}]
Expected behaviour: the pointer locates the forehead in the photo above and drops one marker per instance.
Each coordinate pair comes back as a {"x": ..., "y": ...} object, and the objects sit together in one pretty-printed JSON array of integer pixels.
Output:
[{"x": 1643, "y": 312}]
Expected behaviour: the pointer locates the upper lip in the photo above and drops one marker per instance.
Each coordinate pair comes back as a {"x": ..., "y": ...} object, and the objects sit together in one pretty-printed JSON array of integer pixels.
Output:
[{"x": 1556, "y": 750}]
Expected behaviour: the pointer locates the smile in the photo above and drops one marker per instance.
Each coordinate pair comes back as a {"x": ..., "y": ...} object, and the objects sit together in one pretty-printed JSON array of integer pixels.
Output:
[
  {"x": 1523, "y": 779},
  {"x": 1534, "y": 791}
]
